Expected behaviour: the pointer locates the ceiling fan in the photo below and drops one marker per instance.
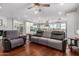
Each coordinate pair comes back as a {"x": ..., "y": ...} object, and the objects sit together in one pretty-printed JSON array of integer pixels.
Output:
[{"x": 39, "y": 5}]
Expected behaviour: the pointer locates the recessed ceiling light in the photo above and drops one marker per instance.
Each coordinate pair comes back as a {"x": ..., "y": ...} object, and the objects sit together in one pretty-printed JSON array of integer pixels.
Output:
[
  {"x": 60, "y": 13},
  {"x": 61, "y": 4}
]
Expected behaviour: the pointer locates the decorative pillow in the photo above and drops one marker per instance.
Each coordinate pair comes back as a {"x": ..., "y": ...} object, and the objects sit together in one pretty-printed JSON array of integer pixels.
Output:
[
  {"x": 59, "y": 35},
  {"x": 39, "y": 33},
  {"x": 47, "y": 34}
]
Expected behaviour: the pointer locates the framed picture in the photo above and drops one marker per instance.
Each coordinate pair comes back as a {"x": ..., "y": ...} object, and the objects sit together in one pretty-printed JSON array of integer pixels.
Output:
[{"x": 1, "y": 22}]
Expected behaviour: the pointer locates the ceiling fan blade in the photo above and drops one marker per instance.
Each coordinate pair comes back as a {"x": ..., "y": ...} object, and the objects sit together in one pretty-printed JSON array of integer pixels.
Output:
[
  {"x": 45, "y": 5},
  {"x": 29, "y": 7},
  {"x": 38, "y": 5}
]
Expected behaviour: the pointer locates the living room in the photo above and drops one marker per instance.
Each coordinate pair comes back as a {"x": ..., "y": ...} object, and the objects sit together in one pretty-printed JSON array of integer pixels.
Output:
[{"x": 39, "y": 29}]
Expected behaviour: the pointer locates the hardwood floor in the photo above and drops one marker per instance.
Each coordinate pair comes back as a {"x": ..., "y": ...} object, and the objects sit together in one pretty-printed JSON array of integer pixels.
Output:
[{"x": 33, "y": 49}]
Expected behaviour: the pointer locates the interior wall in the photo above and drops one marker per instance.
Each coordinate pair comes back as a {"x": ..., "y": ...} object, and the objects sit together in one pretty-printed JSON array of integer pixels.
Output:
[
  {"x": 9, "y": 24},
  {"x": 28, "y": 26},
  {"x": 17, "y": 24},
  {"x": 78, "y": 18},
  {"x": 6, "y": 24},
  {"x": 71, "y": 24},
  {"x": 78, "y": 21}
]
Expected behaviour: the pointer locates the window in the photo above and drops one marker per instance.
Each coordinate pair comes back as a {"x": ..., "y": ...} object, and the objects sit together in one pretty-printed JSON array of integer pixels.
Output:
[
  {"x": 63, "y": 26},
  {"x": 34, "y": 28},
  {"x": 53, "y": 26},
  {"x": 58, "y": 26}
]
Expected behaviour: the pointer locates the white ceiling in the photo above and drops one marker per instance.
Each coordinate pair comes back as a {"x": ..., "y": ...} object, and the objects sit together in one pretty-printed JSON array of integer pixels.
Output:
[{"x": 20, "y": 10}]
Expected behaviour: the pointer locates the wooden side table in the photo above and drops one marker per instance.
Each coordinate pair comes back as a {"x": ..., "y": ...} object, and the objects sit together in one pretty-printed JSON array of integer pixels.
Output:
[
  {"x": 29, "y": 36},
  {"x": 75, "y": 39},
  {"x": 1, "y": 46}
]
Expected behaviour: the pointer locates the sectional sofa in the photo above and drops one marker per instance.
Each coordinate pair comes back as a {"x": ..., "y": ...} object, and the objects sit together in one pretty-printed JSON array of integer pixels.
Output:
[{"x": 54, "y": 39}]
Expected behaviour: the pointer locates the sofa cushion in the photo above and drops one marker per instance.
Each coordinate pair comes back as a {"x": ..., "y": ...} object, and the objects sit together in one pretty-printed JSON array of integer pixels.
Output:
[
  {"x": 54, "y": 41},
  {"x": 43, "y": 41},
  {"x": 47, "y": 34},
  {"x": 60, "y": 35},
  {"x": 39, "y": 33},
  {"x": 16, "y": 42},
  {"x": 43, "y": 38},
  {"x": 11, "y": 34},
  {"x": 55, "y": 44},
  {"x": 35, "y": 37},
  {"x": 39, "y": 38}
]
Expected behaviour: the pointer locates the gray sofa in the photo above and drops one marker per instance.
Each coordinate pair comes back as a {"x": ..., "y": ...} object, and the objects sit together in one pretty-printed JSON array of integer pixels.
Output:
[
  {"x": 54, "y": 39},
  {"x": 11, "y": 39}
]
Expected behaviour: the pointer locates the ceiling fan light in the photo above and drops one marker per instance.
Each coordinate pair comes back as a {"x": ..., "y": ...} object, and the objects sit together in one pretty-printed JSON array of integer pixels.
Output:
[
  {"x": 60, "y": 13},
  {"x": 36, "y": 12}
]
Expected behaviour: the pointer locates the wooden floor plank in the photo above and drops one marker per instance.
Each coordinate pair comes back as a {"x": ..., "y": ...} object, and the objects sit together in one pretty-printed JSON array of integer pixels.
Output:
[{"x": 33, "y": 49}]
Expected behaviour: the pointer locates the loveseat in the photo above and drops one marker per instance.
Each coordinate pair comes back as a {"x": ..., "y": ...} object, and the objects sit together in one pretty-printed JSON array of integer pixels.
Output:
[
  {"x": 11, "y": 40},
  {"x": 54, "y": 39}
]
